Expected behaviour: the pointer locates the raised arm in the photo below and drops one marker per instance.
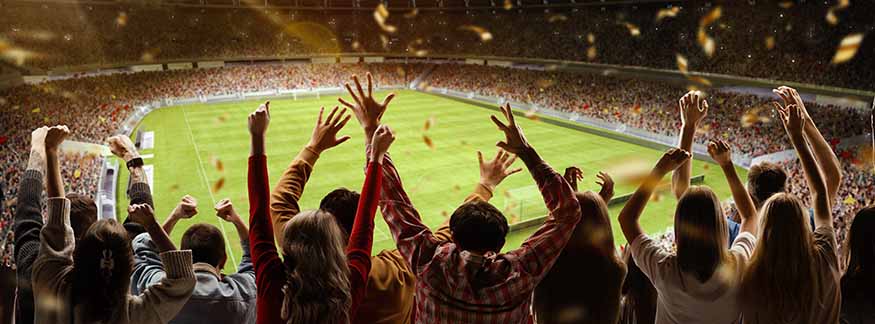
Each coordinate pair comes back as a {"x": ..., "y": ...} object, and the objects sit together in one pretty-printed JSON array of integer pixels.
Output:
[
  {"x": 185, "y": 209},
  {"x": 139, "y": 191},
  {"x": 631, "y": 213},
  {"x": 361, "y": 239},
  {"x": 226, "y": 212},
  {"x": 538, "y": 253},
  {"x": 794, "y": 120},
  {"x": 693, "y": 108},
  {"x": 721, "y": 153},
  {"x": 28, "y": 222},
  {"x": 823, "y": 152},
  {"x": 288, "y": 191}
]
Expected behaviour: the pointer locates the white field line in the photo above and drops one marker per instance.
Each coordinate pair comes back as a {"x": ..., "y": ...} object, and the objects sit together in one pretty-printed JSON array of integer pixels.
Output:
[{"x": 200, "y": 164}]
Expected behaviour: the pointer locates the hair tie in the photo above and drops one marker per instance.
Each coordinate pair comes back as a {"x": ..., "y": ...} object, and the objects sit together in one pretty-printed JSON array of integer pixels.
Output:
[{"x": 107, "y": 263}]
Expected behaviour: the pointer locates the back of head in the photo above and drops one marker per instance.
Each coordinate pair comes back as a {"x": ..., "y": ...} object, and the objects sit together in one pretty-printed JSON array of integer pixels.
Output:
[
  {"x": 700, "y": 232},
  {"x": 764, "y": 180},
  {"x": 781, "y": 271},
  {"x": 102, "y": 266},
  {"x": 859, "y": 252},
  {"x": 342, "y": 203},
  {"x": 479, "y": 227},
  {"x": 317, "y": 285},
  {"x": 206, "y": 243},
  {"x": 83, "y": 213},
  {"x": 590, "y": 260}
]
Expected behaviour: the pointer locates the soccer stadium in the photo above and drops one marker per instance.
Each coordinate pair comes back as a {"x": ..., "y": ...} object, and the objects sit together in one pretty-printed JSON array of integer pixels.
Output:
[{"x": 446, "y": 161}]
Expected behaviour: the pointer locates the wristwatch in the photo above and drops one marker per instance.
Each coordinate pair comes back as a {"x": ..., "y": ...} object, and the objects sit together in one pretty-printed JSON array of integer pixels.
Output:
[{"x": 135, "y": 163}]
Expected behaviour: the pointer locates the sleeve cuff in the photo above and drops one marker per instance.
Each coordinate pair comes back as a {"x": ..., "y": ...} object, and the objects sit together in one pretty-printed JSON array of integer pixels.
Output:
[
  {"x": 59, "y": 212},
  {"x": 140, "y": 193},
  {"x": 308, "y": 155},
  {"x": 32, "y": 174},
  {"x": 177, "y": 264}
]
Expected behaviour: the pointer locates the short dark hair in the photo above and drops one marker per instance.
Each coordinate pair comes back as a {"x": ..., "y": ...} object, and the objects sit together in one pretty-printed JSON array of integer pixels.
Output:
[
  {"x": 479, "y": 226},
  {"x": 765, "y": 180},
  {"x": 342, "y": 203},
  {"x": 206, "y": 244},
  {"x": 83, "y": 213}
]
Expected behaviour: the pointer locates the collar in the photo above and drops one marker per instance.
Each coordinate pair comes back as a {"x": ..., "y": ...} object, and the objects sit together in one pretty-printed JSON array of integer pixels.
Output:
[{"x": 206, "y": 267}]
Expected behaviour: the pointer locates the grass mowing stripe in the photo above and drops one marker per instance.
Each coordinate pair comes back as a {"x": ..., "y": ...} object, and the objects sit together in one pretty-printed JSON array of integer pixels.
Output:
[{"x": 206, "y": 182}]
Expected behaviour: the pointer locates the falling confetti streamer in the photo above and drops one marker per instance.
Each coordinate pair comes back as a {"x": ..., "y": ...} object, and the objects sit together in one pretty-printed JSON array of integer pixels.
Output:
[
  {"x": 532, "y": 114},
  {"x": 428, "y": 124},
  {"x": 591, "y": 53},
  {"x": 428, "y": 142},
  {"x": 847, "y": 48},
  {"x": 457, "y": 188},
  {"x": 590, "y": 38},
  {"x": 683, "y": 67},
  {"x": 484, "y": 34},
  {"x": 633, "y": 29},
  {"x": 786, "y": 4},
  {"x": 770, "y": 42},
  {"x": 412, "y": 13},
  {"x": 445, "y": 214},
  {"x": 218, "y": 185},
  {"x": 385, "y": 41},
  {"x": 122, "y": 19},
  {"x": 831, "y": 17},
  {"x": 667, "y": 13},
  {"x": 557, "y": 18},
  {"x": 380, "y": 16},
  {"x": 174, "y": 187},
  {"x": 508, "y": 5},
  {"x": 707, "y": 43},
  {"x": 682, "y": 63}
]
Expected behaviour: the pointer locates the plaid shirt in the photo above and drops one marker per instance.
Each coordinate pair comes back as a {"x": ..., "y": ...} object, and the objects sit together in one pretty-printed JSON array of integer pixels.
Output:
[{"x": 455, "y": 286}]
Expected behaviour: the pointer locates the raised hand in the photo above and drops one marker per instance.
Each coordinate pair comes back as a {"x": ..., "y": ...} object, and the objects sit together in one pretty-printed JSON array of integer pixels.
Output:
[
  {"x": 142, "y": 214},
  {"x": 225, "y": 211},
  {"x": 38, "y": 137},
  {"x": 515, "y": 141},
  {"x": 122, "y": 147},
  {"x": 494, "y": 171},
  {"x": 793, "y": 119},
  {"x": 607, "y": 183},
  {"x": 672, "y": 159},
  {"x": 791, "y": 97},
  {"x": 383, "y": 138},
  {"x": 259, "y": 120},
  {"x": 573, "y": 174},
  {"x": 56, "y": 135},
  {"x": 186, "y": 208},
  {"x": 720, "y": 152},
  {"x": 693, "y": 107},
  {"x": 367, "y": 111},
  {"x": 325, "y": 133}
]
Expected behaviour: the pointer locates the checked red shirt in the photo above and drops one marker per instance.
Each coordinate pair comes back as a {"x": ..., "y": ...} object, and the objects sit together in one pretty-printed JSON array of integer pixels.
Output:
[{"x": 455, "y": 286}]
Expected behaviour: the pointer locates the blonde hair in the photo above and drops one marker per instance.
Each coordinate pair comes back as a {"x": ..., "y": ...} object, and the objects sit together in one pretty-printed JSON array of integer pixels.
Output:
[
  {"x": 700, "y": 233},
  {"x": 317, "y": 286},
  {"x": 781, "y": 279}
]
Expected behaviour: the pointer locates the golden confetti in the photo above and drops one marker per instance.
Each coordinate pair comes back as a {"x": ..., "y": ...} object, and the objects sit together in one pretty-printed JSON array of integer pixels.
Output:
[
  {"x": 786, "y": 4},
  {"x": 532, "y": 114},
  {"x": 428, "y": 142},
  {"x": 412, "y": 13},
  {"x": 484, "y": 34},
  {"x": 508, "y": 5},
  {"x": 847, "y": 48},
  {"x": 218, "y": 185},
  {"x": 706, "y": 42},
  {"x": 428, "y": 123},
  {"x": 149, "y": 55},
  {"x": 444, "y": 213},
  {"x": 831, "y": 17},
  {"x": 590, "y": 38},
  {"x": 385, "y": 41},
  {"x": 223, "y": 117},
  {"x": 591, "y": 53},
  {"x": 682, "y": 63},
  {"x": 706, "y": 166},
  {"x": 633, "y": 30},
  {"x": 174, "y": 187},
  {"x": 557, "y": 18},
  {"x": 457, "y": 188},
  {"x": 667, "y": 13},
  {"x": 700, "y": 80},
  {"x": 770, "y": 42},
  {"x": 122, "y": 19},
  {"x": 380, "y": 16}
]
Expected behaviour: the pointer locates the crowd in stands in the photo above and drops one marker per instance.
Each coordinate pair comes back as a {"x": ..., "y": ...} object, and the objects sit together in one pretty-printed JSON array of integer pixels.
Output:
[
  {"x": 776, "y": 260},
  {"x": 749, "y": 37}
]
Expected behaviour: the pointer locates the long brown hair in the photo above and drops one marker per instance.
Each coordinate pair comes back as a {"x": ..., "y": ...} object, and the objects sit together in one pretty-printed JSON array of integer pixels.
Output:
[
  {"x": 102, "y": 266},
  {"x": 700, "y": 233},
  {"x": 780, "y": 281},
  {"x": 317, "y": 286}
]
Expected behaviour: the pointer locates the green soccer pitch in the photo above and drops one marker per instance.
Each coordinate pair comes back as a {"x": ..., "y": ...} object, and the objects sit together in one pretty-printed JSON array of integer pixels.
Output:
[{"x": 189, "y": 138}]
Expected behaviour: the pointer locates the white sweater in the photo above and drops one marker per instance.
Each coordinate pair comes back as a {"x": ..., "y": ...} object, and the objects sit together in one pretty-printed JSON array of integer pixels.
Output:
[{"x": 52, "y": 280}]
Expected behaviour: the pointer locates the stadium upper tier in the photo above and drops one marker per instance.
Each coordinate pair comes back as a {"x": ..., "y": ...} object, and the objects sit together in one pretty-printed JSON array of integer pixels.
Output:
[{"x": 763, "y": 40}]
